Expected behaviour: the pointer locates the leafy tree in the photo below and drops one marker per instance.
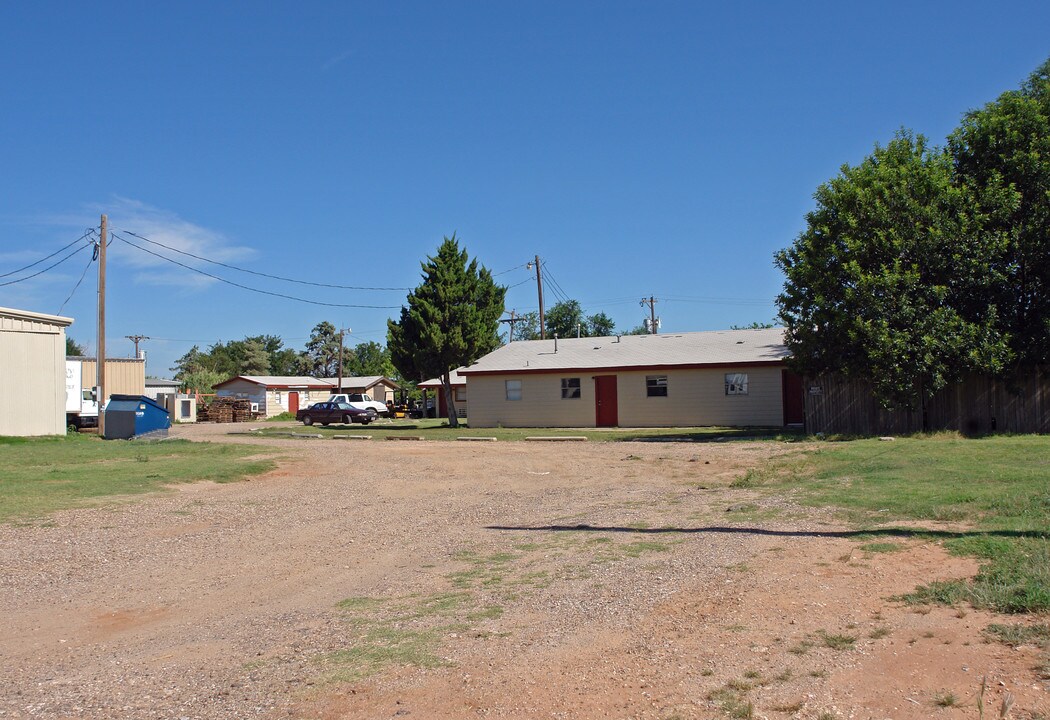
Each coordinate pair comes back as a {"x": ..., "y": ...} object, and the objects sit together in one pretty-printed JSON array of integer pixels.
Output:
[
  {"x": 600, "y": 325},
  {"x": 527, "y": 327},
  {"x": 73, "y": 348},
  {"x": 203, "y": 381},
  {"x": 565, "y": 318},
  {"x": 371, "y": 358},
  {"x": 452, "y": 319},
  {"x": 639, "y": 330},
  {"x": 882, "y": 282},
  {"x": 1002, "y": 153},
  {"x": 756, "y": 325},
  {"x": 321, "y": 357}
]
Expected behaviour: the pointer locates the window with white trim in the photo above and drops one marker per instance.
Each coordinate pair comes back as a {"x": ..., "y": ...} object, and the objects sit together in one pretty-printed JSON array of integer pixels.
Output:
[
  {"x": 736, "y": 383},
  {"x": 460, "y": 394},
  {"x": 570, "y": 388},
  {"x": 656, "y": 385},
  {"x": 513, "y": 388}
]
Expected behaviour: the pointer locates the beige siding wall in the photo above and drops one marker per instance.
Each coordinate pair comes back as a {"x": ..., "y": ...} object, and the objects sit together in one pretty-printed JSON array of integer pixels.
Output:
[
  {"x": 694, "y": 397},
  {"x": 32, "y": 378},
  {"x": 250, "y": 391},
  {"x": 123, "y": 377}
]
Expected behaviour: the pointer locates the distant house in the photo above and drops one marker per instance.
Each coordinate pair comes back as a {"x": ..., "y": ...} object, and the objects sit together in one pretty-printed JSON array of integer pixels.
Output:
[
  {"x": 378, "y": 387},
  {"x": 459, "y": 393},
  {"x": 155, "y": 387},
  {"x": 730, "y": 378},
  {"x": 32, "y": 373},
  {"x": 276, "y": 394}
]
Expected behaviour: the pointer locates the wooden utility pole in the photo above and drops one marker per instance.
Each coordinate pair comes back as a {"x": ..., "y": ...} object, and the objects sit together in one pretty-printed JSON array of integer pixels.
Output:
[
  {"x": 137, "y": 339},
  {"x": 539, "y": 291},
  {"x": 341, "y": 331},
  {"x": 512, "y": 319},
  {"x": 651, "y": 302},
  {"x": 100, "y": 363}
]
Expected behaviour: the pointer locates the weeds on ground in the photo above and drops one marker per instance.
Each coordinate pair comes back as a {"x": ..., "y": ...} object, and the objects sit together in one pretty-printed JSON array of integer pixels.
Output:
[{"x": 837, "y": 642}]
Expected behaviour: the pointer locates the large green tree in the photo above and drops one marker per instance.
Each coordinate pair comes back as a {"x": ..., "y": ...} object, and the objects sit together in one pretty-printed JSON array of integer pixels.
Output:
[
  {"x": 371, "y": 358},
  {"x": 887, "y": 280},
  {"x": 321, "y": 357},
  {"x": 73, "y": 348},
  {"x": 1002, "y": 152},
  {"x": 451, "y": 319}
]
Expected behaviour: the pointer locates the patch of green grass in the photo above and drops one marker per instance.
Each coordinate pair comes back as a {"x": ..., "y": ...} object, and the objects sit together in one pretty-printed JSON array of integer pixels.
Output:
[
  {"x": 42, "y": 475},
  {"x": 359, "y": 603},
  {"x": 837, "y": 641},
  {"x": 879, "y": 633},
  {"x": 381, "y": 647},
  {"x": 995, "y": 485},
  {"x": 1020, "y": 634},
  {"x": 438, "y": 430},
  {"x": 731, "y": 699},
  {"x": 946, "y": 699},
  {"x": 881, "y": 547}
]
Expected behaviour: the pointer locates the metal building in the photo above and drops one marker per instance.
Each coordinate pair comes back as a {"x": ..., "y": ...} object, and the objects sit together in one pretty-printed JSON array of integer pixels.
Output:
[{"x": 32, "y": 373}]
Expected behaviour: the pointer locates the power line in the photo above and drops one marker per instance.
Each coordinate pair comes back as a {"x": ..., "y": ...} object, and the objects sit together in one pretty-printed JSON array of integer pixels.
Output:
[
  {"x": 261, "y": 274},
  {"x": 555, "y": 285},
  {"x": 507, "y": 271},
  {"x": 528, "y": 279},
  {"x": 90, "y": 260},
  {"x": 49, "y": 267},
  {"x": 90, "y": 231},
  {"x": 247, "y": 287}
]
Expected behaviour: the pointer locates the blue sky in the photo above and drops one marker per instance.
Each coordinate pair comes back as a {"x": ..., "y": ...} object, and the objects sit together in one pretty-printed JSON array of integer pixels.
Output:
[{"x": 639, "y": 148}]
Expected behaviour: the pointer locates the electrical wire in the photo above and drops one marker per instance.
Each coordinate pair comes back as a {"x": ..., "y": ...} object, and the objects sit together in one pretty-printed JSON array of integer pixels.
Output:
[
  {"x": 71, "y": 292},
  {"x": 261, "y": 274},
  {"x": 519, "y": 283},
  {"x": 558, "y": 291},
  {"x": 49, "y": 267},
  {"x": 247, "y": 287},
  {"x": 507, "y": 271},
  {"x": 89, "y": 231}
]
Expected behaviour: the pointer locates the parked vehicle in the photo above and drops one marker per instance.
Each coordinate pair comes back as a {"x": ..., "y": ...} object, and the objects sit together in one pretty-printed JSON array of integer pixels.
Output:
[
  {"x": 364, "y": 402},
  {"x": 326, "y": 413},
  {"x": 81, "y": 401}
]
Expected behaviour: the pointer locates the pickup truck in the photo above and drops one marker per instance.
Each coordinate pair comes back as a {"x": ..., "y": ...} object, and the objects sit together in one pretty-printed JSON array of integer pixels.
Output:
[{"x": 363, "y": 402}]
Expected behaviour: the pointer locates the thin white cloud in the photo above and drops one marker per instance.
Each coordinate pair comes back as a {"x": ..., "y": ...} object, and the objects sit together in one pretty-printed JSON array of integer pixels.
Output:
[{"x": 336, "y": 59}]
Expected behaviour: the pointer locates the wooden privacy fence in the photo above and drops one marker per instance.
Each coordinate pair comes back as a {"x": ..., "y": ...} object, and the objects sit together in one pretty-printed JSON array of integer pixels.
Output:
[{"x": 978, "y": 404}]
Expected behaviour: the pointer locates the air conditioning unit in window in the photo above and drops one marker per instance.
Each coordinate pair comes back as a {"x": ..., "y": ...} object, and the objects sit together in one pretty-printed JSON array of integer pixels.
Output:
[{"x": 255, "y": 407}]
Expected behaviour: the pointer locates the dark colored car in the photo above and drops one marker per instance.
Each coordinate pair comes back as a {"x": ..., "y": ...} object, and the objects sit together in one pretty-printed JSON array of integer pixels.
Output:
[{"x": 334, "y": 412}]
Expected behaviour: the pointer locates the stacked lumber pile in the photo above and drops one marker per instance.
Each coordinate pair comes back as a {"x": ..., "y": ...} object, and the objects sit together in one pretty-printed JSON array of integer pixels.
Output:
[{"x": 225, "y": 410}]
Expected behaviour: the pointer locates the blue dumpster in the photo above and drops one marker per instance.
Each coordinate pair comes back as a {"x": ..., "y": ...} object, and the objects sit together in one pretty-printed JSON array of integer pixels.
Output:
[{"x": 130, "y": 416}]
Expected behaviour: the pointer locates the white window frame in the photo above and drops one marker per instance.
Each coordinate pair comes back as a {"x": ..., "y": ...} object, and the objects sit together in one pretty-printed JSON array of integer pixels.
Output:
[
  {"x": 574, "y": 390},
  {"x": 513, "y": 389},
  {"x": 736, "y": 383},
  {"x": 655, "y": 382},
  {"x": 460, "y": 393}
]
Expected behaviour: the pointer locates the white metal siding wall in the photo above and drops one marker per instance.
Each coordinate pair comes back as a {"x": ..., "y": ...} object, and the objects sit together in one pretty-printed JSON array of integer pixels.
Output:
[
  {"x": 694, "y": 397},
  {"x": 32, "y": 378}
]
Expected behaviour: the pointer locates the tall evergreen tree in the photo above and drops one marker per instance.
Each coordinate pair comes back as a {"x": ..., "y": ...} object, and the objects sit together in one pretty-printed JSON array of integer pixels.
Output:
[{"x": 451, "y": 319}]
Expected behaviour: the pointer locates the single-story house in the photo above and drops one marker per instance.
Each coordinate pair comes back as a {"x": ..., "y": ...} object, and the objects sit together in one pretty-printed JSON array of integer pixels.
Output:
[
  {"x": 380, "y": 388},
  {"x": 731, "y": 377},
  {"x": 32, "y": 373},
  {"x": 459, "y": 393},
  {"x": 275, "y": 394},
  {"x": 156, "y": 387}
]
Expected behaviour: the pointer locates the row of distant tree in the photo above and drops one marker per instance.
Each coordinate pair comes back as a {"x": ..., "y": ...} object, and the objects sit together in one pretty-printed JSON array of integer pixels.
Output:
[
  {"x": 923, "y": 263},
  {"x": 267, "y": 355}
]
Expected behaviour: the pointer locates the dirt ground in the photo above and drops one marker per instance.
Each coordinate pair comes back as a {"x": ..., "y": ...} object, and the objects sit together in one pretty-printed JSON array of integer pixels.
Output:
[{"x": 519, "y": 580}]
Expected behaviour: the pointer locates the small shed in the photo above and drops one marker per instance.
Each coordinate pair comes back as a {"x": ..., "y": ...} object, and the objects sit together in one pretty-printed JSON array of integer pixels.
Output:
[
  {"x": 32, "y": 373},
  {"x": 130, "y": 416}
]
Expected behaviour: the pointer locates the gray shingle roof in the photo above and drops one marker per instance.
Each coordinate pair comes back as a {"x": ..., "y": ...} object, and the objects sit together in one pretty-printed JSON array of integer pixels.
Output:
[{"x": 721, "y": 347}]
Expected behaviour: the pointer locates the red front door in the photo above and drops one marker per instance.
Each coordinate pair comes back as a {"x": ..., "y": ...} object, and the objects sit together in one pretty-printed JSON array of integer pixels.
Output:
[
  {"x": 293, "y": 402},
  {"x": 794, "y": 410},
  {"x": 605, "y": 401}
]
